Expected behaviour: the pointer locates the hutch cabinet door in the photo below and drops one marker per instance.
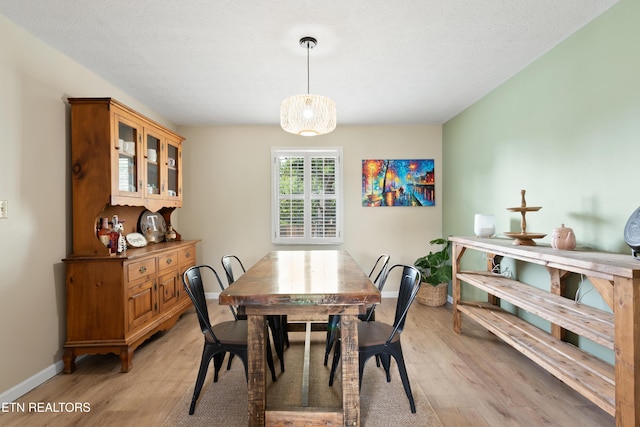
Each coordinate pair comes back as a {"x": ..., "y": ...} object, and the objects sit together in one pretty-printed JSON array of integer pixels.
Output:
[
  {"x": 127, "y": 178},
  {"x": 168, "y": 291},
  {"x": 154, "y": 173},
  {"x": 142, "y": 302},
  {"x": 174, "y": 172}
]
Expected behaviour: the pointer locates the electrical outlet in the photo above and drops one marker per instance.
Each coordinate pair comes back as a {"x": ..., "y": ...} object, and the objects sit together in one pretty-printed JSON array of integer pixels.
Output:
[{"x": 4, "y": 206}]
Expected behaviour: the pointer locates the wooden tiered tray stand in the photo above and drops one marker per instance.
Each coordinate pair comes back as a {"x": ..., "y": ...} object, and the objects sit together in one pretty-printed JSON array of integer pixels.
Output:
[{"x": 524, "y": 238}]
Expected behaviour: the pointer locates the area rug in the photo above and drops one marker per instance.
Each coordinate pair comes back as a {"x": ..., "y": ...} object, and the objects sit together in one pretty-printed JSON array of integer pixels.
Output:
[{"x": 381, "y": 404}]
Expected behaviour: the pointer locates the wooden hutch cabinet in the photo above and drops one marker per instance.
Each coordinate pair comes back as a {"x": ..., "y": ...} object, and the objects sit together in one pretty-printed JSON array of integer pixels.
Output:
[{"x": 127, "y": 165}]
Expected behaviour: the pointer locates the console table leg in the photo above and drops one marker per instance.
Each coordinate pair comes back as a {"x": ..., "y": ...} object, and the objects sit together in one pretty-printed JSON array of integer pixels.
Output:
[
  {"x": 493, "y": 262},
  {"x": 627, "y": 338},
  {"x": 456, "y": 253},
  {"x": 558, "y": 285}
]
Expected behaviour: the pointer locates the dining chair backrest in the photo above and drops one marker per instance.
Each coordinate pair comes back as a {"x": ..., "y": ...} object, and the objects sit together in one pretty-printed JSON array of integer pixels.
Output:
[
  {"x": 227, "y": 264},
  {"x": 378, "y": 273},
  {"x": 277, "y": 323},
  {"x": 409, "y": 286},
  {"x": 193, "y": 284}
]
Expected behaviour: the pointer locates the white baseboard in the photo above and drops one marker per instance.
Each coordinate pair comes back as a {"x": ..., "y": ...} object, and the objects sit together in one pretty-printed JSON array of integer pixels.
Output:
[
  {"x": 34, "y": 381},
  {"x": 30, "y": 383}
]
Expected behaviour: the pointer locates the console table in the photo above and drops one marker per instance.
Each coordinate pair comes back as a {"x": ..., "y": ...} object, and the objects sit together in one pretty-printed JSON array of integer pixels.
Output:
[{"x": 615, "y": 389}]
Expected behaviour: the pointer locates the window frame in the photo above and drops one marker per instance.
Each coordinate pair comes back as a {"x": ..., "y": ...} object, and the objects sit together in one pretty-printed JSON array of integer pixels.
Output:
[{"x": 307, "y": 153}]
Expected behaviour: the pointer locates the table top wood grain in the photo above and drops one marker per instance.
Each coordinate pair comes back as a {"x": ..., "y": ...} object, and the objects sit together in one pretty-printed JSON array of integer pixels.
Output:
[{"x": 302, "y": 277}]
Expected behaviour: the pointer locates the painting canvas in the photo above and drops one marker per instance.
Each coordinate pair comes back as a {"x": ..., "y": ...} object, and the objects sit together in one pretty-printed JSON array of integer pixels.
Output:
[{"x": 398, "y": 183}]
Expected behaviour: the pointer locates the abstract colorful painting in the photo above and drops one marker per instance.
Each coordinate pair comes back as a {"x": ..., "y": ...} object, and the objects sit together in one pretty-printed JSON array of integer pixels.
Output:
[{"x": 398, "y": 183}]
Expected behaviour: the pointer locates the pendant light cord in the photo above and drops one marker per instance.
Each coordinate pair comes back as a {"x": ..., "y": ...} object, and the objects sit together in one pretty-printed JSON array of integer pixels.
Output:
[{"x": 308, "y": 68}]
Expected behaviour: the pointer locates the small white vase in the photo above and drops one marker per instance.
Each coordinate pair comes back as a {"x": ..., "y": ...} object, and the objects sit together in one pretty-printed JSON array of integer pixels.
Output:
[{"x": 484, "y": 225}]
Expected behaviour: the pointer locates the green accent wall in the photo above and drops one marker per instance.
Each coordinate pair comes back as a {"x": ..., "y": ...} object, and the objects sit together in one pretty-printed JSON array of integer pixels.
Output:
[{"x": 567, "y": 130}]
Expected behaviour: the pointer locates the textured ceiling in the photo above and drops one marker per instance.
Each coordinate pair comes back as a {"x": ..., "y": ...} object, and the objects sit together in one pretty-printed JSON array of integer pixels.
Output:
[{"x": 203, "y": 62}]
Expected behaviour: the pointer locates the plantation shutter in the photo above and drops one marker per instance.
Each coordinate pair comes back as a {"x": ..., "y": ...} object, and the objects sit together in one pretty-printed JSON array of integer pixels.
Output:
[{"x": 307, "y": 206}]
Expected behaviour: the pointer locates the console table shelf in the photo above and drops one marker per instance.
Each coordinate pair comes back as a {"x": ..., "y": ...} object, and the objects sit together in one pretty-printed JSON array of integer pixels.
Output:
[
  {"x": 589, "y": 376},
  {"x": 615, "y": 389},
  {"x": 589, "y": 322}
]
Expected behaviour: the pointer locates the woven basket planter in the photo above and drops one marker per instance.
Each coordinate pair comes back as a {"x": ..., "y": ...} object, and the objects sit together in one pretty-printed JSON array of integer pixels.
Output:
[{"x": 432, "y": 296}]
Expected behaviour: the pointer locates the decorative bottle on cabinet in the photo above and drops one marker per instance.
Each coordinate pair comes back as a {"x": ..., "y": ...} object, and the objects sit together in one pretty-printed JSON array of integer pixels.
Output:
[
  {"x": 104, "y": 232},
  {"x": 170, "y": 235}
]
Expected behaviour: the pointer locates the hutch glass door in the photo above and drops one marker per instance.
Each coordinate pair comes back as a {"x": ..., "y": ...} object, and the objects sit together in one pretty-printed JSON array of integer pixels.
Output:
[
  {"x": 153, "y": 161},
  {"x": 173, "y": 169},
  {"x": 129, "y": 182}
]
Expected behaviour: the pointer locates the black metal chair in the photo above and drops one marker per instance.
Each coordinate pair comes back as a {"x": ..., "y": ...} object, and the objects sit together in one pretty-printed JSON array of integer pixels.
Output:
[
  {"x": 377, "y": 338},
  {"x": 223, "y": 337},
  {"x": 378, "y": 275},
  {"x": 277, "y": 324}
]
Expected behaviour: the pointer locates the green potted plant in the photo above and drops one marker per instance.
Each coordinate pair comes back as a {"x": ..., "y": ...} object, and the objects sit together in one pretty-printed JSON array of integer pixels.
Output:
[{"x": 436, "y": 274}]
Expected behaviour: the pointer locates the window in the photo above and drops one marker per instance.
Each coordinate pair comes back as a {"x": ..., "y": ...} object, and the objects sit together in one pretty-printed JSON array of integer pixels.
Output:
[{"x": 307, "y": 195}]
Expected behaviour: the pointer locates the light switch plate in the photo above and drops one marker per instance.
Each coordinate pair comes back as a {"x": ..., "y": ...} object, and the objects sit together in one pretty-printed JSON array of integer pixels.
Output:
[{"x": 4, "y": 206}]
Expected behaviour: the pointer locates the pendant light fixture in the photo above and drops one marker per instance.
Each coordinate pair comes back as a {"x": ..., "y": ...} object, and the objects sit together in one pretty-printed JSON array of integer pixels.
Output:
[{"x": 308, "y": 115}]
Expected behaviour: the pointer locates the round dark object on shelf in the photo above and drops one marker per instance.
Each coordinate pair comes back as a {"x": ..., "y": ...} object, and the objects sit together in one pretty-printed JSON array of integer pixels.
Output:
[{"x": 632, "y": 233}]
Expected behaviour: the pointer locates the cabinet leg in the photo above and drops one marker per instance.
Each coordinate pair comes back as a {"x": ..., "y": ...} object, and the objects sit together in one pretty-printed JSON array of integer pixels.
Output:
[
  {"x": 69, "y": 359},
  {"x": 126, "y": 355}
]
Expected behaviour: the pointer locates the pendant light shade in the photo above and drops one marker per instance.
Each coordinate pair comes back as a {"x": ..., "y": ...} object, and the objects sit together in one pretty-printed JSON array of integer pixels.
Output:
[{"x": 308, "y": 114}]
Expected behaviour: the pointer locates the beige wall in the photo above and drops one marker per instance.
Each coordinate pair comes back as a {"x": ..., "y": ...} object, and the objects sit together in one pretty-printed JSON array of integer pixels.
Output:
[
  {"x": 227, "y": 200},
  {"x": 35, "y": 81}
]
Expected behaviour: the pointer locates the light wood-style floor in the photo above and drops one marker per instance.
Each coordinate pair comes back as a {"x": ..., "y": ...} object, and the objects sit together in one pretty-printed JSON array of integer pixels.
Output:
[{"x": 471, "y": 379}]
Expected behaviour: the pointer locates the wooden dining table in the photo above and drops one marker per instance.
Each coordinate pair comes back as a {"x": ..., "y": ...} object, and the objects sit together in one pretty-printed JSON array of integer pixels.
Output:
[{"x": 303, "y": 283}]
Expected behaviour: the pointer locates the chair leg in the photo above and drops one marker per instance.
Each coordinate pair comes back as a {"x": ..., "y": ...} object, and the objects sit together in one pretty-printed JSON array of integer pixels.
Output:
[
  {"x": 217, "y": 364},
  {"x": 332, "y": 326},
  {"x": 285, "y": 330},
  {"x": 230, "y": 360},
  {"x": 207, "y": 354},
  {"x": 385, "y": 358},
  {"x": 270, "y": 359},
  {"x": 362, "y": 360},
  {"x": 405, "y": 378},
  {"x": 336, "y": 359},
  {"x": 277, "y": 331}
]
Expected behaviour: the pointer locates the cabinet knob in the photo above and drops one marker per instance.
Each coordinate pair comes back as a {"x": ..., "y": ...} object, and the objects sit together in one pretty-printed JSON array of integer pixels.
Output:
[
  {"x": 169, "y": 260},
  {"x": 188, "y": 254},
  {"x": 142, "y": 269}
]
